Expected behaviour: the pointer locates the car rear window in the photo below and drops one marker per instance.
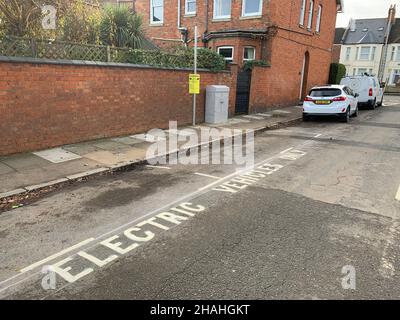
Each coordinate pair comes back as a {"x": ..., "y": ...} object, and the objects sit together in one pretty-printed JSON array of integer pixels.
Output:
[{"x": 325, "y": 92}]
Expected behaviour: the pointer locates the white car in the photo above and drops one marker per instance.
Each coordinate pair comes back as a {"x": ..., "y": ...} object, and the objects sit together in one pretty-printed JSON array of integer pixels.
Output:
[
  {"x": 333, "y": 100},
  {"x": 369, "y": 89}
]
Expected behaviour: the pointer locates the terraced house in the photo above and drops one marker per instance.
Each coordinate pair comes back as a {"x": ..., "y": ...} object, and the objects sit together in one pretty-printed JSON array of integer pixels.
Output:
[{"x": 294, "y": 36}]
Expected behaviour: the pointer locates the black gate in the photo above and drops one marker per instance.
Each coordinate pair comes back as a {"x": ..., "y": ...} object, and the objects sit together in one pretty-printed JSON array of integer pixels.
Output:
[{"x": 243, "y": 92}]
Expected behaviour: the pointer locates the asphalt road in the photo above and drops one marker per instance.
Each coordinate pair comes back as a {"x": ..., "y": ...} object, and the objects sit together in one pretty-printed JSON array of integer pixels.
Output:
[{"x": 319, "y": 208}]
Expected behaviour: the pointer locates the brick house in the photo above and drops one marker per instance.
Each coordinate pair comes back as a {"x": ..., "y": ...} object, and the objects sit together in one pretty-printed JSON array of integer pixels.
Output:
[{"x": 295, "y": 36}]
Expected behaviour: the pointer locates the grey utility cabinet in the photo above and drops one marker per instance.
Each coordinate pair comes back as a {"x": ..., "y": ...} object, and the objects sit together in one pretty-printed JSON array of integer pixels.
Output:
[{"x": 217, "y": 103}]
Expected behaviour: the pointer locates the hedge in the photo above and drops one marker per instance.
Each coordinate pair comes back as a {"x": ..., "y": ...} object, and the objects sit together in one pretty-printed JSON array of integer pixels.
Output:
[
  {"x": 206, "y": 59},
  {"x": 336, "y": 73}
]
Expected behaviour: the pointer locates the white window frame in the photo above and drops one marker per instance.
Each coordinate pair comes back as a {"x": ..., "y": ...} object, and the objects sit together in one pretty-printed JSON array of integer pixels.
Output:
[
  {"x": 227, "y": 47},
  {"x": 373, "y": 53},
  {"x": 303, "y": 12},
  {"x": 393, "y": 54},
  {"x": 348, "y": 53},
  {"x": 216, "y": 16},
  {"x": 319, "y": 18},
  {"x": 151, "y": 13},
  {"x": 259, "y": 13},
  {"x": 310, "y": 15},
  {"x": 187, "y": 7},
  {"x": 397, "y": 55},
  {"x": 361, "y": 53},
  {"x": 244, "y": 50}
]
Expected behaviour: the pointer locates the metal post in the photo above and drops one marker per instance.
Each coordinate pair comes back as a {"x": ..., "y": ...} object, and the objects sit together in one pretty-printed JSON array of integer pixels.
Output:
[{"x": 195, "y": 72}]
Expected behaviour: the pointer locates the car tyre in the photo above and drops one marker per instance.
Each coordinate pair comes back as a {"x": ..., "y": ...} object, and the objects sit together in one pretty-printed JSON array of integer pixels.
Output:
[
  {"x": 346, "y": 116},
  {"x": 373, "y": 105},
  {"x": 380, "y": 104},
  {"x": 306, "y": 117},
  {"x": 355, "y": 114}
]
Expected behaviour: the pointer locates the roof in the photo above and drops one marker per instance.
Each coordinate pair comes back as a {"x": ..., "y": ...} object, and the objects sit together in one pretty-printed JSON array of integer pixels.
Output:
[
  {"x": 368, "y": 31},
  {"x": 339, "y": 35},
  {"x": 395, "y": 32}
]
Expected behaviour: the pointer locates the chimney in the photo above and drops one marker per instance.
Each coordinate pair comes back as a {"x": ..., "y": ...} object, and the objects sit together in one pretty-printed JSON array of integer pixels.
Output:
[
  {"x": 392, "y": 14},
  {"x": 352, "y": 25}
]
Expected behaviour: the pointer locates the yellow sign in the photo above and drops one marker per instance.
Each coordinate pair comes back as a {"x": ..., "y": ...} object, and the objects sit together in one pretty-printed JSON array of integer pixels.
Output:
[{"x": 194, "y": 83}]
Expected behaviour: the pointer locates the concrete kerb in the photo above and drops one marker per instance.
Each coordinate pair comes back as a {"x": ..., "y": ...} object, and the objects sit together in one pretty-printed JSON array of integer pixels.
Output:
[{"x": 125, "y": 166}]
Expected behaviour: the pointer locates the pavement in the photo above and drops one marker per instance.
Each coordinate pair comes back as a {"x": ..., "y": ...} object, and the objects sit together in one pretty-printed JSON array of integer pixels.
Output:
[
  {"x": 316, "y": 217},
  {"x": 22, "y": 175}
]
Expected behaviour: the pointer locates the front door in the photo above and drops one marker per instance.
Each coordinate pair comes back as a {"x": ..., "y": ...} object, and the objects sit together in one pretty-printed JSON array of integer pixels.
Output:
[{"x": 243, "y": 92}]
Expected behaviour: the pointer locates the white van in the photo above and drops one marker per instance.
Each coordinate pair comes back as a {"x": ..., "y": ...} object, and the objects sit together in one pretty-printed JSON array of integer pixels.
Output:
[{"x": 370, "y": 91}]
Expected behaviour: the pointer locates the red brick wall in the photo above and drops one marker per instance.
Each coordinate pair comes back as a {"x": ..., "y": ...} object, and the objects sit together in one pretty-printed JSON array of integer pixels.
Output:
[
  {"x": 47, "y": 105},
  {"x": 337, "y": 48}
]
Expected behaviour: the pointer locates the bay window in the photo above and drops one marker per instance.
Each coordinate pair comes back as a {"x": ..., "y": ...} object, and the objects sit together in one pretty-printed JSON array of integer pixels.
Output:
[
  {"x": 249, "y": 54},
  {"x": 310, "y": 15},
  {"x": 302, "y": 12},
  {"x": 226, "y": 52},
  {"x": 319, "y": 16}
]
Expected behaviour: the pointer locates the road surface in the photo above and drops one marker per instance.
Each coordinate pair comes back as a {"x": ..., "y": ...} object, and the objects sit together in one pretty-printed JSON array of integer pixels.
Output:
[{"x": 316, "y": 218}]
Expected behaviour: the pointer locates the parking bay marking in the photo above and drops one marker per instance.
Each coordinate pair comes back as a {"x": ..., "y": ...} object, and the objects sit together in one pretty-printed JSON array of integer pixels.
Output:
[
  {"x": 398, "y": 194},
  {"x": 184, "y": 198}
]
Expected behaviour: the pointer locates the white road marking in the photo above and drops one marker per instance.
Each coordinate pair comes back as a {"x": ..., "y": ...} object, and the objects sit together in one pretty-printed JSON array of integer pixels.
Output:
[
  {"x": 284, "y": 151},
  {"x": 158, "y": 167},
  {"x": 318, "y": 135},
  {"x": 398, "y": 194},
  {"x": 56, "y": 255},
  {"x": 206, "y": 175}
]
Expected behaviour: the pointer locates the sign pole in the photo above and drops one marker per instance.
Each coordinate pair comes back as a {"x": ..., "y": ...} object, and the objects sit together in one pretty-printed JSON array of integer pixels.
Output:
[{"x": 195, "y": 72}]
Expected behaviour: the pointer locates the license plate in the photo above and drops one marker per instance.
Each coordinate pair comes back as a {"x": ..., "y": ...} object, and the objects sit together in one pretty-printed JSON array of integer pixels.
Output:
[{"x": 322, "y": 102}]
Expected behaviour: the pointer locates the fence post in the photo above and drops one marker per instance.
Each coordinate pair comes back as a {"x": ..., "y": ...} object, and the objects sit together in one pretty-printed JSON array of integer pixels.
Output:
[
  {"x": 108, "y": 54},
  {"x": 34, "y": 49}
]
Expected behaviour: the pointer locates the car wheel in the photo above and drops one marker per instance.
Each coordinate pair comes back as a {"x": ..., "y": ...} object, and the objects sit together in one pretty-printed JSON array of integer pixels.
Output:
[
  {"x": 380, "y": 103},
  {"x": 346, "y": 117},
  {"x": 373, "y": 105},
  {"x": 306, "y": 118},
  {"x": 355, "y": 114}
]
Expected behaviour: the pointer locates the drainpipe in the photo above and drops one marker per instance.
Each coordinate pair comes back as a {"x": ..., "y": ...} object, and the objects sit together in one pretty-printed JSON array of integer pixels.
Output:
[
  {"x": 179, "y": 15},
  {"x": 206, "y": 24}
]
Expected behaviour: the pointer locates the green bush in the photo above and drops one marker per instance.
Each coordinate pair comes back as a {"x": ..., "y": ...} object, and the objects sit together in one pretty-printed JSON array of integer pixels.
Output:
[
  {"x": 182, "y": 58},
  {"x": 249, "y": 65},
  {"x": 336, "y": 73}
]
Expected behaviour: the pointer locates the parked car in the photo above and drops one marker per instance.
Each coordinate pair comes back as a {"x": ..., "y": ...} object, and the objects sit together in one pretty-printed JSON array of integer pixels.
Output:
[
  {"x": 333, "y": 100},
  {"x": 369, "y": 89}
]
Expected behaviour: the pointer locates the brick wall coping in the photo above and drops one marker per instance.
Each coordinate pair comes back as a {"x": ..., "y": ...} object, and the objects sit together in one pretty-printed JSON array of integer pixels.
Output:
[{"x": 97, "y": 64}]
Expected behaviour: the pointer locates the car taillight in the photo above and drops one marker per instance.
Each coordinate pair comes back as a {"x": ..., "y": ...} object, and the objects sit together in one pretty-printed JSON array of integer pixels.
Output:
[
  {"x": 308, "y": 99},
  {"x": 339, "y": 99},
  {"x": 370, "y": 92}
]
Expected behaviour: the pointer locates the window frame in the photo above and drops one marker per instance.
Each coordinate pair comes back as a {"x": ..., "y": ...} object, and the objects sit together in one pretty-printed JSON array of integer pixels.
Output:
[
  {"x": 227, "y": 47},
  {"x": 215, "y": 16},
  {"x": 244, "y": 51},
  {"x": 319, "y": 19},
  {"x": 348, "y": 54},
  {"x": 187, "y": 7},
  {"x": 255, "y": 14},
  {"x": 303, "y": 13},
  {"x": 369, "y": 53},
  {"x": 152, "y": 22},
  {"x": 310, "y": 15},
  {"x": 397, "y": 54}
]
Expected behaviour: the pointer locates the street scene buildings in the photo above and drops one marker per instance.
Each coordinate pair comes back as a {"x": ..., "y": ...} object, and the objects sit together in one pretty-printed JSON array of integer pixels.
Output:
[{"x": 199, "y": 150}]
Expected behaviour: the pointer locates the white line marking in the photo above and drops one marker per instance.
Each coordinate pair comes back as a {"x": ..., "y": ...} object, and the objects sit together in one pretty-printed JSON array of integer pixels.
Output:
[
  {"x": 158, "y": 167},
  {"x": 284, "y": 151},
  {"x": 56, "y": 255},
  {"x": 318, "y": 135},
  {"x": 206, "y": 175},
  {"x": 398, "y": 194}
]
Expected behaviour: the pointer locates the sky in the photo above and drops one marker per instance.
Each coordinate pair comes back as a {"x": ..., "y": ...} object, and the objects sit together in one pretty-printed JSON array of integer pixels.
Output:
[{"x": 362, "y": 9}]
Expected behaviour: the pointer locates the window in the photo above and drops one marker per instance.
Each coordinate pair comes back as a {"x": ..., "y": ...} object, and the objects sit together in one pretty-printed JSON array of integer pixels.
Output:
[
  {"x": 302, "y": 12},
  {"x": 226, "y": 52},
  {"x": 222, "y": 9},
  {"x": 249, "y": 53},
  {"x": 370, "y": 73},
  {"x": 364, "y": 54},
  {"x": 310, "y": 15},
  {"x": 190, "y": 7},
  {"x": 319, "y": 16},
  {"x": 395, "y": 77},
  {"x": 357, "y": 52},
  {"x": 373, "y": 53},
  {"x": 348, "y": 53},
  {"x": 393, "y": 54},
  {"x": 326, "y": 92},
  {"x": 251, "y": 8},
  {"x": 361, "y": 71},
  {"x": 157, "y": 11},
  {"x": 398, "y": 54}
]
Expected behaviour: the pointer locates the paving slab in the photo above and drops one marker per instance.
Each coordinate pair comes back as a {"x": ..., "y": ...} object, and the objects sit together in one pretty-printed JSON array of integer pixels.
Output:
[{"x": 57, "y": 155}]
